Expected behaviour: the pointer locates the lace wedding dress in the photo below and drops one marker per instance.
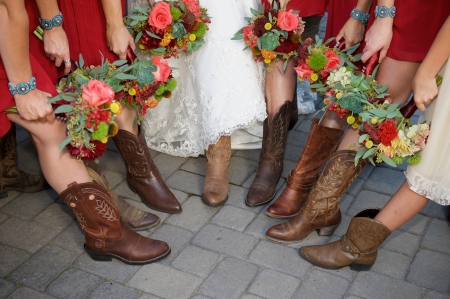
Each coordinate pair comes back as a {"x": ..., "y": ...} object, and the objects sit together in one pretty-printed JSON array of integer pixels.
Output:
[{"x": 220, "y": 90}]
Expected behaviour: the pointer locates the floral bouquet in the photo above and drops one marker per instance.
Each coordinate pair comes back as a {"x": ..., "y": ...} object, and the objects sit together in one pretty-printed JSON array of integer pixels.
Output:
[
  {"x": 90, "y": 113},
  {"x": 316, "y": 62},
  {"x": 273, "y": 34},
  {"x": 169, "y": 27}
]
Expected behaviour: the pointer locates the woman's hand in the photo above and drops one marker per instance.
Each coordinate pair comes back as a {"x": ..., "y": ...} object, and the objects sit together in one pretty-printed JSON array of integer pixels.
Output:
[
  {"x": 34, "y": 106},
  {"x": 352, "y": 32},
  {"x": 378, "y": 38},
  {"x": 56, "y": 46},
  {"x": 425, "y": 90},
  {"x": 119, "y": 39}
]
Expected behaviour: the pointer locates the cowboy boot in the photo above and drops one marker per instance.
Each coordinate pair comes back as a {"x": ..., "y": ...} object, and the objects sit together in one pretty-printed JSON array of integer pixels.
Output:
[
  {"x": 142, "y": 175},
  {"x": 106, "y": 236},
  {"x": 357, "y": 248},
  {"x": 12, "y": 178},
  {"x": 321, "y": 211},
  {"x": 320, "y": 144},
  {"x": 270, "y": 166},
  {"x": 294, "y": 111},
  {"x": 448, "y": 217},
  {"x": 215, "y": 190},
  {"x": 135, "y": 218}
]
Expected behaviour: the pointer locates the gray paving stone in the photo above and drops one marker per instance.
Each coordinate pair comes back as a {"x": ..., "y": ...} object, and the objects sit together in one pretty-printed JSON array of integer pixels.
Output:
[
  {"x": 168, "y": 164},
  {"x": 436, "y": 295},
  {"x": 43, "y": 266},
  {"x": 229, "y": 279},
  {"x": 236, "y": 198},
  {"x": 71, "y": 238},
  {"x": 11, "y": 258},
  {"x": 292, "y": 152},
  {"x": 56, "y": 216},
  {"x": 3, "y": 217},
  {"x": 416, "y": 225},
  {"x": 9, "y": 198},
  {"x": 234, "y": 218},
  {"x": 112, "y": 161},
  {"x": 248, "y": 154},
  {"x": 28, "y": 205},
  {"x": 114, "y": 178},
  {"x": 196, "y": 261},
  {"x": 274, "y": 285},
  {"x": 312, "y": 239},
  {"x": 319, "y": 284},
  {"x": 378, "y": 286},
  {"x": 402, "y": 242},
  {"x": 112, "y": 290},
  {"x": 124, "y": 191},
  {"x": 24, "y": 292},
  {"x": 343, "y": 226},
  {"x": 6, "y": 287},
  {"x": 193, "y": 206},
  {"x": 391, "y": 263},
  {"x": 435, "y": 210},
  {"x": 25, "y": 235},
  {"x": 200, "y": 297},
  {"x": 365, "y": 200},
  {"x": 297, "y": 138},
  {"x": 345, "y": 202},
  {"x": 278, "y": 257},
  {"x": 224, "y": 240},
  {"x": 304, "y": 126},
  {"x": 114, "y": 270},
  {"x": 250, "y": 180},
  {"x": 240, "y": 170},
  {"x": 195, "y": 165},
  {"x": 186, "y": 182},
  {"x": 148, "y": 296},
  {"x": 437, "y": 237},
  {"x": 431, "y": 270},
  {"x": 176, "y": 237},
  {"x": 384, "y": 181},
  {"x": 164, "y": 281},
  {"x": 73, "y": 284},
  {"x": 249, "y": 296},
  {"x": 355, "y": 187}
]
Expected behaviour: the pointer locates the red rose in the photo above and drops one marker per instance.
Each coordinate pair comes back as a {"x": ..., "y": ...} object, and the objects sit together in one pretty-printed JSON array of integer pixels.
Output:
[
  {"x": 160, "y": 16},
  {"x": 303, "y": 70},
  {"x": 333, "y": 60},
  {"x": 287, "y": 20},
  {"x": 97, "y": 93}
]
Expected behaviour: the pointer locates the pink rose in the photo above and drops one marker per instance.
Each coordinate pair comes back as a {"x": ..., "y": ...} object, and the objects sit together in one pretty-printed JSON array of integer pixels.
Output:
[
  {"x": 287, "y": 20},
  {"x": 193, "y": 6},
  {"x": 333, "y": 60},
  {"x": 324, "y": 74},
  {"x": 163, "y": 69},
  {"x": 303, "y": 70},
  {"x": 97, "y": 93},
  {"x": 249, "y": 37},
  {"x": 160, "y": 16}
]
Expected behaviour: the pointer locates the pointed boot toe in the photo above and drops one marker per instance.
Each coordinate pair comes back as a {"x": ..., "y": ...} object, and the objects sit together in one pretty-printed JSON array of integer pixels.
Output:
[
  {"x": 280, "y": 233},
  {"x": 215, "y": 196}
]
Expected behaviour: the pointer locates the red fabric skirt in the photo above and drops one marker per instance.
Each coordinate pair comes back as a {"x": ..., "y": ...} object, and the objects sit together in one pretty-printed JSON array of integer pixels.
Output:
[
  {"x": 306, "y": 7},
  {"x": 85, "y": 26}
]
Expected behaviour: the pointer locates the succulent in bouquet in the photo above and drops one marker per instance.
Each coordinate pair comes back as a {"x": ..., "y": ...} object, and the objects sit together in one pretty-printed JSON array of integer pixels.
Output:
[{"x": 169, "y": 28}]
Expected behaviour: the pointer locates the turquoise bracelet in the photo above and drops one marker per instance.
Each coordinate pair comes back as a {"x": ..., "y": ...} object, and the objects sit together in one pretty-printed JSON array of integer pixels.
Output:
[
  {"x": 23, "y": 87},
  {"x": 49, "y": 24},
  {"x": 383, "y": 12},
  {"x": 358, "y": 15}
]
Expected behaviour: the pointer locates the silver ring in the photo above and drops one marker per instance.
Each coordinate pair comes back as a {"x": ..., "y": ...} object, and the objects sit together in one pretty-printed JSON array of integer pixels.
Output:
[{"x": 67, "y": 61}]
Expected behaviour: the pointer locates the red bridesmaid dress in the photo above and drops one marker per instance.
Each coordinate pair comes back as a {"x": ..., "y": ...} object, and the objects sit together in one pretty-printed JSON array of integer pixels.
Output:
[
  {"x": 85, "y": 26},
  {"x": 307, "y": 8}
]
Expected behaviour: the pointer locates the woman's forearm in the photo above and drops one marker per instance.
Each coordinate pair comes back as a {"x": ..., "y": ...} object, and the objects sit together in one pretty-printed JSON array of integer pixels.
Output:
[
  {"x": 364, "y": 5},
  {"x": 14, "y": 44},
  {"x": 113, "y": 12}
]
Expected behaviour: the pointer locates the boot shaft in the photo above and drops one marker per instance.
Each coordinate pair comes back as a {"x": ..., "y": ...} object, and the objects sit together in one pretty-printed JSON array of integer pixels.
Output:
[{"x": 8, "y": 153}]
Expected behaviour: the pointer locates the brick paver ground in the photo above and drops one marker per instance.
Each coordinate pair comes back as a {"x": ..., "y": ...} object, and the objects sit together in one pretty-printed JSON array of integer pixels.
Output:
[{"x": 216, "y": 252}]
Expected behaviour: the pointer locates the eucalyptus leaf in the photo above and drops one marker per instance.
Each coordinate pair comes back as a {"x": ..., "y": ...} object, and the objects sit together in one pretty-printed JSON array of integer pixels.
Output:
[
  {"x": 359, "y": 155},
  {"x": 370, "y": 152},
  {"x": 119, "y": 62},
  {"x": 65, "y": 142},
  {"x": 86, "y": 139},
  {"x": 64, "y": 109},
  {"x": 388, "y": 160},
  {"x": 152, "y": 34},
  {"x": 362, "y": 138},
  {"x": 138, "y": 18},
  {"x": 138, "y": 37}
]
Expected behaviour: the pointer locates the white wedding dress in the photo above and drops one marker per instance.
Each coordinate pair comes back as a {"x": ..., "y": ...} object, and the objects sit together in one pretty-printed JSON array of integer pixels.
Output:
[{"x": 219, "y": 93}]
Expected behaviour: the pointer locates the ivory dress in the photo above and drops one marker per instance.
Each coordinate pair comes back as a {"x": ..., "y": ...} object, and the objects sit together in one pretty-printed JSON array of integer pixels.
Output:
[
  {"x": 431, "y": 177},
  {"x": 219, "y": 93}
]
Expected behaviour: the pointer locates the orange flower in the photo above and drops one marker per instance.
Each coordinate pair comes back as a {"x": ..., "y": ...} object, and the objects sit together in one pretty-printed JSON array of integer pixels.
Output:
[{"x": 268, "y": 54}]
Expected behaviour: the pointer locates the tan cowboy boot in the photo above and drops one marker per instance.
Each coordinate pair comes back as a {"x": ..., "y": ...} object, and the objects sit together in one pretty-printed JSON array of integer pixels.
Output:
[
  {"x": 321, "y": 211},
  {"x": 215, "y": 190},
  {"x": 135, "y": 218},
  {"x": 12, "y": 178},
  {"x": 142, "y": 175},
  {"x": 322, "y": 141},
  {"x": 106, "y": 236},
  {"x": 271, "y": 158},
  {"x": 357, "y": 248}
]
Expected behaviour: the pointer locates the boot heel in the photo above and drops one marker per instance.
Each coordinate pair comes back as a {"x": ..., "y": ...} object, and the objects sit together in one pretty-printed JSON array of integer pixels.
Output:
[
  {"x": 99, "y": 257},
  {"x": 360, "y": 267},
  {"x": 327, "y": 231}
]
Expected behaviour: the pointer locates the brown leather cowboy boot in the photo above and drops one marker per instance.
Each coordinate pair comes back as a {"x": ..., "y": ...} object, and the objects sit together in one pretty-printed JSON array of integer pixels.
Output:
[
  {"x": 135, "y": 218},
  {"x": 271, "y": 158},
  {"x": 321, "y": 211},
  {"x": 294, "y": 111},
  {"x": 142, "y": 175},
  {"x": 106, "y": 236},
  {"x": 215, "y": 190},
  {"x": 322, "y": 141},
  {"x": 357, "y": 248},
  {"x": 12, "y": 178}
]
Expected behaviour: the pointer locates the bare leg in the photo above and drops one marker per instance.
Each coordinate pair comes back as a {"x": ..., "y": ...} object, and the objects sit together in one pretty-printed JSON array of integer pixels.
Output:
[
  {"x": 125, "y": 120},
  {"x": 59, "y": 167},
  {"x": 403, "y": 206},
  {"x": 400, "y": 72}
]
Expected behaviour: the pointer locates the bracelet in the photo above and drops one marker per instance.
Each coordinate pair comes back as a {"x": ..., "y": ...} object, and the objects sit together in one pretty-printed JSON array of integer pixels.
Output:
[
  {"x": 360, "y": 16},
  {"x": 49, "y": 24},
  {"x": 383, "y": 12},
  {"x": 23, "y": 87}
]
